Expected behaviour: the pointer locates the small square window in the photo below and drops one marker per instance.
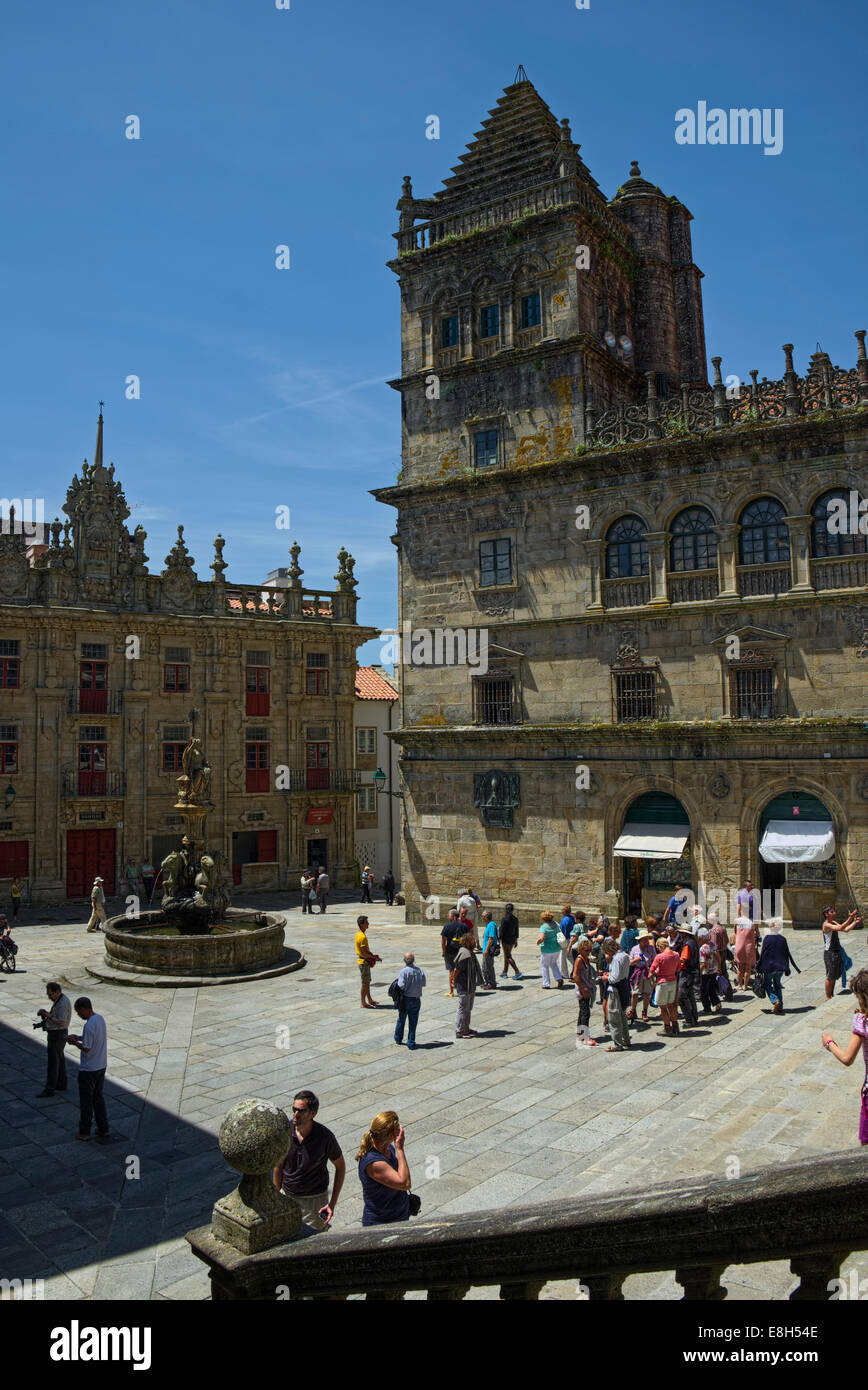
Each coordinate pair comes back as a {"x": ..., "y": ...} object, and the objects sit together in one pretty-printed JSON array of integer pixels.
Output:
[
  {"x": 449, "y": 331},
  {"x": 531, "y": 314},
  {"x": 489, "y": 321},
  {"x": 495, "y": 562},
  {"x": 485, "y": 449}
]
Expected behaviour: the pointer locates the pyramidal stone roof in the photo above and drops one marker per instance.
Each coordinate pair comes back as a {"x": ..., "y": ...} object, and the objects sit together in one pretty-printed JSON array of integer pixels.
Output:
[{"x": 519, "y": 145}]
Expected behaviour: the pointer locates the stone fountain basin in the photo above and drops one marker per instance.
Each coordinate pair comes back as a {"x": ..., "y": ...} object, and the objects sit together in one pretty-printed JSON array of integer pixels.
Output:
[{"x": 247, "y": 943}]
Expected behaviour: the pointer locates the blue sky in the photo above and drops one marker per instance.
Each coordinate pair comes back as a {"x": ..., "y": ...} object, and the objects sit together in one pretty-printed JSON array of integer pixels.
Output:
[{"x": 262, "y": 388}]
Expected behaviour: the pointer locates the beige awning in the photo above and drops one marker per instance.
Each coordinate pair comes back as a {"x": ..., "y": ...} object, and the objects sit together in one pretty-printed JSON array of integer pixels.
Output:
[
  {"x": 797, "y": 841},
  {"x": 638, "y": 841}
]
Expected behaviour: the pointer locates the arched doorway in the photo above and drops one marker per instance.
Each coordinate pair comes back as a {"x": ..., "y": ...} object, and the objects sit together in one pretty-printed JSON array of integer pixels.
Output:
[
  {"x": 654, "y": 848},
  {"x": 797, "y": 855}
]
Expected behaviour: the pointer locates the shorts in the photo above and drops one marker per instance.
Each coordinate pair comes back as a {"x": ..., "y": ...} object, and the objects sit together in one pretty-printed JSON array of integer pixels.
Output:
[
  {"x": 832, "y": 961},
  {"x": 666, "y": 991},
  {"x": 365, "y": 972},
  {"x": 643, "y": 986}
]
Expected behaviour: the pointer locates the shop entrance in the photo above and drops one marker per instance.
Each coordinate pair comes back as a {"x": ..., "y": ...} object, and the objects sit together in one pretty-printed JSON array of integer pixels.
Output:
[{"x": 654, "y": 847}]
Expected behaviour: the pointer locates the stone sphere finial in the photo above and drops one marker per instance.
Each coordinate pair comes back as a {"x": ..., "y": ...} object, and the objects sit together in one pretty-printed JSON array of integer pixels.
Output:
[{"x": 255, "y": 1136}]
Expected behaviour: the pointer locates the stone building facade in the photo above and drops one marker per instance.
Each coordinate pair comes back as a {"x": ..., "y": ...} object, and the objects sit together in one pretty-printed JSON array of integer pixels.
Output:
[
  {"x": 673, "y": 615},
  {"x": 105, "y": 671}
]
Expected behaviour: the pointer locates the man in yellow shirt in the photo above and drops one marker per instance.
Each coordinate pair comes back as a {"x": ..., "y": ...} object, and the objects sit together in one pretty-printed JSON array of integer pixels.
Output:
[{"x": 366, "y": 959}]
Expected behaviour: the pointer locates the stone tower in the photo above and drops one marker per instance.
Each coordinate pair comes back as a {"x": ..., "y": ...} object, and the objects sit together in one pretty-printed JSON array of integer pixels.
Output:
[{"x": 527, "y": 296}]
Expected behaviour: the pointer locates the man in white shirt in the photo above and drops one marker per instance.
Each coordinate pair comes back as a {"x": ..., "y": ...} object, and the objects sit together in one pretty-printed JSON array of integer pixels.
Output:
[
  {"x": 468, "y": 902},
  {"x": 91, "y": 1043},
  {"x": 617, "y": 977},
  {"x": 322, "y": 890}
]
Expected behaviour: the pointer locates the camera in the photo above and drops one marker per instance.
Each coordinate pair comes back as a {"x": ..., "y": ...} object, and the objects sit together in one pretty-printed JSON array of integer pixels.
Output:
[{"x": 40, "y": 1023}]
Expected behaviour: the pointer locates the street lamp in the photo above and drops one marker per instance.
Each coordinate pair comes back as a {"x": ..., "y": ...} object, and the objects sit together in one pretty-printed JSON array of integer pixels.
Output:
[
  {"x": 9, "y": 796},
  {"x": 379, "y": 779}
]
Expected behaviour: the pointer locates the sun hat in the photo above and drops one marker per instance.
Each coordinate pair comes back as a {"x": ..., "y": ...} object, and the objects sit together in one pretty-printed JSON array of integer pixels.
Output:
[{"x": 644, "y": 934}]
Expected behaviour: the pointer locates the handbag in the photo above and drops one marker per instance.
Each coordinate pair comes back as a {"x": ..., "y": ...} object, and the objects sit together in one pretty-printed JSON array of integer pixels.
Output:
[
  {"x": 415, "y": 1203},
  {"x": 759, "y": 985},
  {"x": 562, "y": 940},
  {"x": 722, "y": 983}
]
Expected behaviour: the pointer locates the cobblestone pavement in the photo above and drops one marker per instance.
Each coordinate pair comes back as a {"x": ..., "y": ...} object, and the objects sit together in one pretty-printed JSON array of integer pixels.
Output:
[{"x": 516, "y": 1112}]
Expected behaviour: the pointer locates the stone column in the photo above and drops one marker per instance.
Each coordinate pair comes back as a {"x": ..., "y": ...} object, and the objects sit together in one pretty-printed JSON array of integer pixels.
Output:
[
  {"x": 800, "y": 553},
  {"x": 657, "y": 568},
  {"x": 727, "y": 577},
  {"x": 594, "y": 552}
]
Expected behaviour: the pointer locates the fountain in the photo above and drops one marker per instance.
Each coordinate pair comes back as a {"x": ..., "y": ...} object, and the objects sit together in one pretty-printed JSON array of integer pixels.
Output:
[{"x": 195, "y": 938}]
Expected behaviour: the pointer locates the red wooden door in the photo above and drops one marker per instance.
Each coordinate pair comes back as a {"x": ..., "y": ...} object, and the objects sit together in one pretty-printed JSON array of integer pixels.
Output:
[
  {"x": 88, "y": 853},
  {"x": 93, "y": 687},
  {"x": 267, "y": 847}
]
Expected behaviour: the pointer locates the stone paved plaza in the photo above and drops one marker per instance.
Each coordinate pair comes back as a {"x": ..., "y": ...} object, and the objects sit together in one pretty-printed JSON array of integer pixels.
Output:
[{"x": 514, "y": 1114}]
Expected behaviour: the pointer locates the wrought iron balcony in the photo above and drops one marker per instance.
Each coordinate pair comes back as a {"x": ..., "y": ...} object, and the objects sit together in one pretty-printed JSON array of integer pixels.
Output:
[
  {"x": 77, "y": 784},
  {"x": 324, "y": 779},
  {"x": 95, "y": 702}
]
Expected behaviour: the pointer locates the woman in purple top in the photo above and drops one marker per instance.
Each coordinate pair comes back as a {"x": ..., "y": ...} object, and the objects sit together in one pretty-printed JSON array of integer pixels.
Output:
[
  {"x": 858, "y": 1041},
  {"x": 383, "y": 1171}
]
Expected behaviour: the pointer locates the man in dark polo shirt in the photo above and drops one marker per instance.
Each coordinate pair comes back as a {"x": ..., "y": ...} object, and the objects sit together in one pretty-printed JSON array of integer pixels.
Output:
[{"x": 304, "y": 1172}]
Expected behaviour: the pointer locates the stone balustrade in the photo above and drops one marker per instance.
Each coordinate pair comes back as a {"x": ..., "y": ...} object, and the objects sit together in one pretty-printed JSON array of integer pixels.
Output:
[{"x": 812, "y": 1214}]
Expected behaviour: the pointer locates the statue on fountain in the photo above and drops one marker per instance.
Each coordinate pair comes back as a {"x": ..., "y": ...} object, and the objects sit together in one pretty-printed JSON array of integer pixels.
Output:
[{"x": 194, "y": 892}]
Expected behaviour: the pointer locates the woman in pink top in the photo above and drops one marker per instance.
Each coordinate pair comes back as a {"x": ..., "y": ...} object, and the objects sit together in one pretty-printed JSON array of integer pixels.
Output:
[
  {"x": 858, "y": 1041},
  {"x": 745, "y": 939}
]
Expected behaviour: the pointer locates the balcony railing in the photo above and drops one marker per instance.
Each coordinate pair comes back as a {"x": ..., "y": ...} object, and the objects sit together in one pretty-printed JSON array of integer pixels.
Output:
[
  {"x": 324, "y": 779},
  {"x": 824, "y": 390},
  {"x": 693, "y": 586},
  {"x": 518, "y": 1250},
  {"x": 754, "y": 580},
  {"x": 626, "y": 593},
  {"x": 94, "y": 784},
  {"x": 95, "y": 702},
  {"x": 526, "y": 337},
  {"x": 447, "y": 357},
  {"x": 840, "y": 572}
]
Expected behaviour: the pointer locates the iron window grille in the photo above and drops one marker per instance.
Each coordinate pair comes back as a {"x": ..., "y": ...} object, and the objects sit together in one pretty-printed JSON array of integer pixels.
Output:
[
  {"x": 259, "y": 658},
  {"x": 495, "y": 698},
  {"x": 10, "y": 647},
  {"x": 94, "y": 651},
  {"x": 635, "y": 695},
  {"x": 92, "y": 733},
  {"x": 752, "y": 690},
  {"x": 177, "y": 654}
]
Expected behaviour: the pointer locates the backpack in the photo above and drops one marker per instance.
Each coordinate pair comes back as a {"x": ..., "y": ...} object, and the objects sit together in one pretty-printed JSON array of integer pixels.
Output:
[
  {"x": 693, "y": 949},
  {"x": 396, "y": 994}
]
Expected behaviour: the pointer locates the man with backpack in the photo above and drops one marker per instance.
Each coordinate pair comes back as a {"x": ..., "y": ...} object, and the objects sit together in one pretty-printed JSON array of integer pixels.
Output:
[
  {"x": 408, "y": 996},
  {"x": 451, "y": 935}
]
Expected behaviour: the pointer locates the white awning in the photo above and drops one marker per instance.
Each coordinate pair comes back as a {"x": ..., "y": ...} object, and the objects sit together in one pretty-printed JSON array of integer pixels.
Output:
[
  {"x": 797, "y": 841},
  {"x": 638, "y": 841}
]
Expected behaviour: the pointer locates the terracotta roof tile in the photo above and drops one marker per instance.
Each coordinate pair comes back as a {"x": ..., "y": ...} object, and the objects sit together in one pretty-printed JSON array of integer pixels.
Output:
[{"x": 371, "y": 686}]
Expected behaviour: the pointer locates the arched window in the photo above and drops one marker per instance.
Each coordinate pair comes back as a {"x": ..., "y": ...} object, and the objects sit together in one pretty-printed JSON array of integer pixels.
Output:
[
  {"x": 831, "y": 523},
  {"x": 694, "y": 544},
  {"x": 764, "y": 537},
  {"x": 626, "y": 548}
]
